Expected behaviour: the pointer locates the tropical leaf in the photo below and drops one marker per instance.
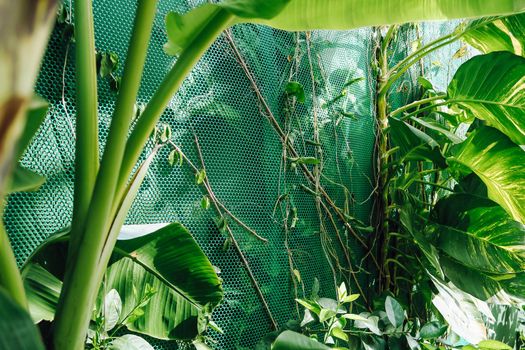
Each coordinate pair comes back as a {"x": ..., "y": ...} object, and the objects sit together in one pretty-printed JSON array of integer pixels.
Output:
[
  {"x": 36, "y": 113},
  {"x": 186, "y": 286},
  {"x": 184, "y": 30},
  {"x": 42, "y": 290},
  {"x": 480, "y": 234},
  {"x": 492, "y": 88},
  {"x": 460, "y": 310},
  {"x": 497, "y": 34},
  {"x": 414, "y": 144},
  {"x": 289, "y": 340},
  {"x": 347, "y": 14},
  {"x": 499, "y": 163},
  {"x": 17, "y": 330}
]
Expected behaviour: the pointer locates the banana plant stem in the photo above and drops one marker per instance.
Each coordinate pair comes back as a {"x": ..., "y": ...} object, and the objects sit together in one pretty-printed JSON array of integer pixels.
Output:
[
  {"x": 86, "y": 150},
  {"x": 84, "y": 272}
]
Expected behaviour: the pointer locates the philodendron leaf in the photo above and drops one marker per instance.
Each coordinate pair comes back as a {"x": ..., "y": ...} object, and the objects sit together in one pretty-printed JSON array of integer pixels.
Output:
[
  {"x": 17, "y": 330},
  {"x": 499, "y": 163},
  {"x": 491, "y": 88},
  {"x": 185, "y": 30},
  {"x": 480, "y": 234},
  {"x": 497, "y": 34},
  {"x": 414, "y": 144},
  {"x": 289, "y": 340},
  {"x": 185, "y": 283}
]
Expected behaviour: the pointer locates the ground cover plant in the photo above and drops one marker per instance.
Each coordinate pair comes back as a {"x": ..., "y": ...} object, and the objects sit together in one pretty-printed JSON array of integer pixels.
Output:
[{"x": 104, "y": 191}]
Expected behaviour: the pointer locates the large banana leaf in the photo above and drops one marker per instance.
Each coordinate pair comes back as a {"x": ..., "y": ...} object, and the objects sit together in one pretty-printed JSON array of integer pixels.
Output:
[
  {"x": 186, "y": 284},
  {"x": 168, "y": 260},
  {"x": 492, "y": 88},
  {"x": 17, "y": 331},
  {"x": 480, "y": 234},
  {"x": 298, "y": 15},
  {"x": 499, "y": 163},
  {"x": 498, "y": 34}
]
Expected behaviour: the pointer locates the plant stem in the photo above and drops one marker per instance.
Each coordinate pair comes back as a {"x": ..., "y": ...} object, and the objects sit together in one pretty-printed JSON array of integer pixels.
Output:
[
  {"x": 86, "y": 150},
  {"x": 10, "y": 278},
  {"x": 85, "y": 271},
  {"x": 417, "y": 104}
]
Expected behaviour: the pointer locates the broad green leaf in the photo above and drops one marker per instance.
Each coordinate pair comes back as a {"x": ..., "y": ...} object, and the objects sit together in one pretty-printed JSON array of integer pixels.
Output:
[
  {"x": 25, "y": 180},
  {"x": 460, "y": 311},
  {"x": 185, "y": 282},
  {"x": 499, "y": 163},
  {"x": 480, "y": 234},
  {"x": 371, "y": 323},
  {"x": 414, "y": 144},
  {"x": 186, "y": 30},
  {"x": 498, "y": 34},
  {"x": 130, "y": 342},
  {"x": 42, "y": 290},
  {"x": 493, "y": 345},
  {"x": 394, "y": 311},
  {"x": 347, "y": 14},
  {"x": 289, "y": 340},
  {"x": 474, "y": 282},
  {"x": 432, "y": 330},
  {"x": 17, "y": 330},
  {"x": 492, "y": 88}
]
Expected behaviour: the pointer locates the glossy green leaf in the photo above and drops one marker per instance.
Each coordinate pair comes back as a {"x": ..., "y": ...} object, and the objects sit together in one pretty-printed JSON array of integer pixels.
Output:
[
  {"x": 394, "y": 311},
  {"x": 289, "y": 340},
  {"x": 42, "y": 290},
  {"x": 480, "y": 234},
  {"x": 183, "y": 30},
  {"x": 498, "y": 34},
  {"x": 25, "y": 180},
  {"x": 347, "y": 14},
  {"x": 499, "y": 163},
  {"x": 493, "y": 345},
  {"x": 185, "y": 282},
  {"x": 432, "y": 330},
  {"x": 492, "y": 88},
  {"x": 414, "y": 144},
  {"x": 17, "y": 330}
]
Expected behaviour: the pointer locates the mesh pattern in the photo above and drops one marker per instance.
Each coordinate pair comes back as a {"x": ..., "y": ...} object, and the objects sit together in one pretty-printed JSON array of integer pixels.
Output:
[{"x": 242, "y": 152}]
